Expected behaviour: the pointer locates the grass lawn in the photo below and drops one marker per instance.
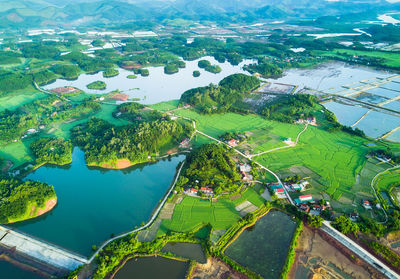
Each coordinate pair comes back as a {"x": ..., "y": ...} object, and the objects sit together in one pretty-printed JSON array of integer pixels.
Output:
[
  {"x": 266, "y": 134},
  {"x": 18, "y": 98},
  {"x": 165, "y": 106},
  {"x": 193, "y": 212},
  {"x": 336, "y": 157},
  {"x": 17, "y": 152}
]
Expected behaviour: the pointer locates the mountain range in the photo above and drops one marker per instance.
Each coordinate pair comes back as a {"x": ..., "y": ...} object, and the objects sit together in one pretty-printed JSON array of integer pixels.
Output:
[{"x": 39, "y": 13}]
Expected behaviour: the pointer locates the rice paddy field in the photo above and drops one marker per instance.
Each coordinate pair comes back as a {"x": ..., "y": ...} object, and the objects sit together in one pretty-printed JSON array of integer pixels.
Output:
[
  {"x": 17, "y": 152},
  {"x": 194, "y": 212},
  {"x": 388, "y": 180},
  {"x": 264, "y": 134},
  {"x": 336, "y": 157},
  {"x": 390, "y": 59}
]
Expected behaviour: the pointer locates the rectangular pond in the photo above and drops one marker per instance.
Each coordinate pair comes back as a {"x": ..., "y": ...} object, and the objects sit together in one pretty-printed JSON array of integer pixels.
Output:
[
  {"x": 376, "y": 124},
  {"x": 153, "y": 267},
  {"x": 384, "y": 92},
  {"x": 346, "y": 115},
  {"x": 192, "y": 251},
  {"x": 395, "y": 105},
  {"x": 264, "y": 247},
  {"x": 95, "y": 203}
]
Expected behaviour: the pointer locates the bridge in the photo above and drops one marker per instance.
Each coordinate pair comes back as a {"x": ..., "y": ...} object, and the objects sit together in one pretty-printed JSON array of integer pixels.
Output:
[{"x": 40, "y": 250}]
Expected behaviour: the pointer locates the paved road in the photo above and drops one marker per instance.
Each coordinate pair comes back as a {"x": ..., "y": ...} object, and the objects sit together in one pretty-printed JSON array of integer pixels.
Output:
[{"x": 358, "y": 250}]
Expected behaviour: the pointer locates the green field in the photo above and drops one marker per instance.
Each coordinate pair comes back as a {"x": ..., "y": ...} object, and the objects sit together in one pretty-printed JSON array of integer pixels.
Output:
[
  {"x": 336, "y": 157},
  {"x": 18, "y": 98},
  {"x": 388, "y": 180},
  {"x": 18, "y": 153},
  {"x": 391, "y": 59},
  {"x": 193, "y": 212},
  {"x": 166, "y": 106},
  {"x": 265, "y": 134}
]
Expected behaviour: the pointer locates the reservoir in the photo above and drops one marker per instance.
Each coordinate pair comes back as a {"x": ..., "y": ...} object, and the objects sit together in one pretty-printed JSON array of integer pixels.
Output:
[
  {"x": 158, "y": 86},
  {"x": 8, "y": 270},
  {"x": 95, "y": 203}
]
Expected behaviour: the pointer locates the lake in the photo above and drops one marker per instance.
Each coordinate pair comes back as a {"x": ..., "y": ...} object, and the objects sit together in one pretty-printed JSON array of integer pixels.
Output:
[
  {"x": 153, "y": 267},
  {"x": 95, "y": 203},
  {"x": 158, "y": 87},
  {"x": 264, "y": 247}
]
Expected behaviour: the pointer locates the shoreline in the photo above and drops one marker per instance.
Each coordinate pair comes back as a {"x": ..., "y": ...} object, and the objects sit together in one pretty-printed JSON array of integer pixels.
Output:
[{"x": 37, "y": 211}]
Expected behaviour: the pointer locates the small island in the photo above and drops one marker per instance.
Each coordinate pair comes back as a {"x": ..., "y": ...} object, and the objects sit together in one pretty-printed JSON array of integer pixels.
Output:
[
  {"x": 131, "y": 76},
  {"x": 215, "y": 69},
  {"x": 25, "y": 200},
  {"x": 110, "y": 73},
  {"x": 170, "y": 69},
  {"x": 203, "y": 64},
  {"x": 144, "y": 72},
  {"x": 100, "y": 85},
  {"x": 196, "y": 73}
]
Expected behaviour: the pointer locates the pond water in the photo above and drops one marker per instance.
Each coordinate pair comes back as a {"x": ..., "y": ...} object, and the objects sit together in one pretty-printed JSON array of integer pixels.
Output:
[
  {"x": 192, "y": 251},
  {"x": 153, "y": 267},
  {"x": 95, "y": 203},
  {"x": 264, "y": 247},
  {"x": 369, "y": 98},
  {"x": 158, "y": 86},
  {"x": 384, "y": 92},
  {"x": 8, "y": 270},
  {"x": 395, "y": 105},
  {"x": 346, "y": 115},
  {"x": 392, "y": 86},
  {"x": 376, "y": 124},
  {"x": 394, "y": 136},
  {"x": 329, "y": 75}
]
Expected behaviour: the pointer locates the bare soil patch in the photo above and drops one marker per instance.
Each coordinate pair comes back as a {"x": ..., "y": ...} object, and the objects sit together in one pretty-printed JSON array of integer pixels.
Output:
[{"x": 215, "y": 269}]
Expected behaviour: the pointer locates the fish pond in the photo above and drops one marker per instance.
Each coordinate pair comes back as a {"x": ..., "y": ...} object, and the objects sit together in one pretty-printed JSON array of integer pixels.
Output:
[
  {"x": 8, "y": 270},
  {"x": 95, "y": 203},
  {"x": 158, "y": 86},
  {"x": 192, "y": 251},
  {"x": 346, "y": 114},
  {"x": 153, "y": 267},
  {"x": 375, "y": 124},
  {"x": 264, "y": 247}
]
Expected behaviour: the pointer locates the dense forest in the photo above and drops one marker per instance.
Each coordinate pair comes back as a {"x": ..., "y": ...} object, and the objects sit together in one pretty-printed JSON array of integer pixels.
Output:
[
  {"x": 104, "y": 143},
  {"x": 211, "y": 166},
  {"x": 220, "y": 98},
  {"x": 17, "y": 198},
  {"x": 52, "y": 150}
]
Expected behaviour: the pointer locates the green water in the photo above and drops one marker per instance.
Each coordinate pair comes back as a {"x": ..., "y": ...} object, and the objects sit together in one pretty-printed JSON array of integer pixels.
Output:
[
  {"x": 153, "y": 268},
  {"x": 192, "y": 251},
  {"x": 10, "y": 271},
  {"x": 95, "y": 203},
  {"x": 263, "y": 248}
]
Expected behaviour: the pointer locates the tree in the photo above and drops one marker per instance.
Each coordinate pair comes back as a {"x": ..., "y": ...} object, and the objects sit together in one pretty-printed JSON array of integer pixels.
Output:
[{"x": 345, "y": 225}]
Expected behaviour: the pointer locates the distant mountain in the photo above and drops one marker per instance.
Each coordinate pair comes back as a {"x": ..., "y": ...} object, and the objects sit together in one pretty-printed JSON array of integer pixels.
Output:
[{"x": 35, "y": 13}]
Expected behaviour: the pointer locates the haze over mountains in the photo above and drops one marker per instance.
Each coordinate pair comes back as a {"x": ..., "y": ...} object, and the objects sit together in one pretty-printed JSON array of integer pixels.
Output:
[{"x": 36, "y": 13}]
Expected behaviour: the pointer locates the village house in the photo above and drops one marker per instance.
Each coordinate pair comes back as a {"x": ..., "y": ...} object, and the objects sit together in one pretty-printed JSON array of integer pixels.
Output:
[
  {"x": 207, "y": 191},
  {"x": 367, "y": 204},
  {"x": 192, "y": 191},
  {"x": 232, "y": 142},
  {"x": 304, "y": 199},
  {"x": 299, "y": 186},
  {"x": 354, "y": 217},
  {"x": 308, "y": 120},
  {"x": 278, "y": 191},
  {"x": 184, "y": 143}
]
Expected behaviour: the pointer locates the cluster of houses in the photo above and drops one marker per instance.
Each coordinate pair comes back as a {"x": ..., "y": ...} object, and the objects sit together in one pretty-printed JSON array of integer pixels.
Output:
[
  {"x": 301, "y": 186},
  {"x": 205, "y": 190},
  {"x": 308, "y": 120},
  {"x": 245, "y": 171}
]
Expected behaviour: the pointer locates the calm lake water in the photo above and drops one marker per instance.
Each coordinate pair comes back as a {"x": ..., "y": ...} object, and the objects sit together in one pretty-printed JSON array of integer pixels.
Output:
[
  {"x": 192, "y": 251},
  {"x": 95, "y": 203},
  {"x": 153, "y": 268},
  {"x": 10, "y": 271},
  {"x": 263, "y": 248},
  {"x": 158, "y": 86}
]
